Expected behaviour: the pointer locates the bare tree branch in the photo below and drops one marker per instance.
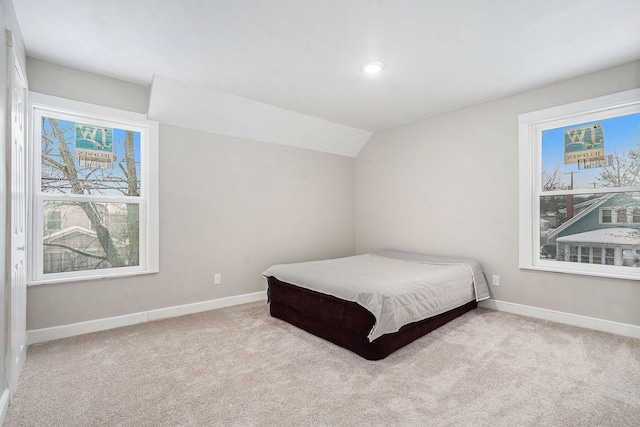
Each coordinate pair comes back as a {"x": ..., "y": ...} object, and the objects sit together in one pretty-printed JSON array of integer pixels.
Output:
[
  {"x": 552, "y": 181},
  {"x": 51, "y": 162},
  {"x": 624, "y": 171},
  {"x": 77, "y": 251}
]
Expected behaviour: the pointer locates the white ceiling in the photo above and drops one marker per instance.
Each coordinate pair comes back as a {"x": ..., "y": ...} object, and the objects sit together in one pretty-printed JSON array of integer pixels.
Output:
[{"x": 305, "y": 55}]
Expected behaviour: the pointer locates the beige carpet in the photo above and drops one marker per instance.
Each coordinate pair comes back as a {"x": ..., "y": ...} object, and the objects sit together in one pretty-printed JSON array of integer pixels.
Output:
[{"x": 239, "y": 367}]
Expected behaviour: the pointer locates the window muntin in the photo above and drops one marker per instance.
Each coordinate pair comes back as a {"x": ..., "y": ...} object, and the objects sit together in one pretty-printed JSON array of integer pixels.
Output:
[
  {"x": 95, "y": 169},
  {"x": 573, "y": 202}
]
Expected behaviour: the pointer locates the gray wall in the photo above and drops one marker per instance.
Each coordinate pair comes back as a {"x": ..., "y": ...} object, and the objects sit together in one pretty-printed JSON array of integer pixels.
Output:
[
  {"x": 56, "y": 80},
  {"x": 449, "y": 185},
  {"x": 227, "y": 205},
  {"x": 446, "y": 185}
]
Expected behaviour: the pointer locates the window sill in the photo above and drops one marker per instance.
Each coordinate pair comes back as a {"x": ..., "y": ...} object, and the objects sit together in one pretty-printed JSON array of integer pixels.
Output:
[
  {"x": 86, "y": 278},
  {"x": 612, "y": 272}
]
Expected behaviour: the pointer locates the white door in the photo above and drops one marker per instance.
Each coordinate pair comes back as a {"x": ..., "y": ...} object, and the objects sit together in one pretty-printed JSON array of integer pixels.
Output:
[{"x": 18, "y": 212}]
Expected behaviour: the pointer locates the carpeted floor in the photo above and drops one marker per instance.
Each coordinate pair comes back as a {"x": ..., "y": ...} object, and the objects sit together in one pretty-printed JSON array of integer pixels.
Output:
[{"x": 239, "y": 367}]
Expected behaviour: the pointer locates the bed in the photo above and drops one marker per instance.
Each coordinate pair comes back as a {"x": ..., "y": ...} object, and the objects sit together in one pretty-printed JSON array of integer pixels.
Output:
[{"x": 374, "y": 304}]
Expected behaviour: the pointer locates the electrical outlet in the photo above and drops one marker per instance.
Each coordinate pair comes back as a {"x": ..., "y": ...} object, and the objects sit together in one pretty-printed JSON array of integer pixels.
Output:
[
  {"x": 495, "y": 280},
  {"x": 217, "y": 279}
]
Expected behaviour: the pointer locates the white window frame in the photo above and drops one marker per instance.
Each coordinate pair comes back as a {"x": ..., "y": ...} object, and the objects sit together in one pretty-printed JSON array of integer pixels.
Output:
[
  {"x": 611, "y": 215},
  {"x": 531, "y": 126},
  {"x": 45, "y": 105}
]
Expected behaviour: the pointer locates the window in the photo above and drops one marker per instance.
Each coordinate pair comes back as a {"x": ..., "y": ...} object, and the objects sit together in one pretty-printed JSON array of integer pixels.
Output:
[
  {"x": 54, "y": 220},
  {"x": 621, "y": 216},
  {"x": 585, "y": 255},
  {"x": 94, "y": 204},
  {"x": 579, "y": 165},
  {"x": 609, "y": 256},
  {"x": 573, "y": 253},
  {"x": 597, "y": 255}
]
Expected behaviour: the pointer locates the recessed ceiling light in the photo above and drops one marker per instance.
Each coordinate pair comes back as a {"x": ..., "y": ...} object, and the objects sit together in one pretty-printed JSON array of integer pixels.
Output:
[{"x": 372, "y": 67}]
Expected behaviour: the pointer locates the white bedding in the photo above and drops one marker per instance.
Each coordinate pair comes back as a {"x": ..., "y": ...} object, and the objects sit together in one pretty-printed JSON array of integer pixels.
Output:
[{"x": 396, "y": 291}]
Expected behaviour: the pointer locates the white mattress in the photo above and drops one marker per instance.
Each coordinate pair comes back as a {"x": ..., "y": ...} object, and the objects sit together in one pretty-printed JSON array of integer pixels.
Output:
[{"x": 397, "y": 292}]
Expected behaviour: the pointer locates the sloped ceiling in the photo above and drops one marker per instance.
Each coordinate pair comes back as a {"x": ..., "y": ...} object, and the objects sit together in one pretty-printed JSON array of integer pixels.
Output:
[
  {"x": 304, "y": 56},
  {"x": 201, "y": 108}
]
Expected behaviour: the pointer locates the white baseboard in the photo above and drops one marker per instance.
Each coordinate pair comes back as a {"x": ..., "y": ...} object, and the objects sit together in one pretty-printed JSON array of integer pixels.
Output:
[
  {"x": 4, "y": 404},
  {"x": 561, "y": 317},
  {"x": 64, "y": 331}
]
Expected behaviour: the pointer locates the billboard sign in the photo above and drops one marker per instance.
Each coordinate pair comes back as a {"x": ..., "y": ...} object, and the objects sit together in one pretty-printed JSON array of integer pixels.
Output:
[
  {"x": 583, "y": 143},
  {"x": 94, "y": 146}
]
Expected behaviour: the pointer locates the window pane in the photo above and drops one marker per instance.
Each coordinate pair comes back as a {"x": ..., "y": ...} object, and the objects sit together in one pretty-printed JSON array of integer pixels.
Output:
[
  {"x": 598, "y": 154},
  {"x": 54, "y": 220},
  {"x": 597, "y": 255},
  {"x": 621, "y": 216},
  {"x": 609, "y": 254},
  {"x": 84, "y": 159},
  {"x": 584, "y": 254},
  {"x": 91, "y": 236},
  {"x": 573, "y": 253},
  {"x": 572, "y": 224}
]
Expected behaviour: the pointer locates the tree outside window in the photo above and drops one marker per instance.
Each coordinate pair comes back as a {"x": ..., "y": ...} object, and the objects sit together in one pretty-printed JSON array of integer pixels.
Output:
[{"x": 95, "y": 234}]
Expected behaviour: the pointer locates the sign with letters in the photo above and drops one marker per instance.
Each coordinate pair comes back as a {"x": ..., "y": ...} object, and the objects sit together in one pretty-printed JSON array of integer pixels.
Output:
[
  {"x": 603, "y": 162},
  {"x": 583, "y": 143},
  {"x": 94, "y": 146}
]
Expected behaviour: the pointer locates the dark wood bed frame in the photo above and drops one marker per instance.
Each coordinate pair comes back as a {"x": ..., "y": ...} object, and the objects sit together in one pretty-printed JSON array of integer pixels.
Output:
[{"x": 346, "y": 323}]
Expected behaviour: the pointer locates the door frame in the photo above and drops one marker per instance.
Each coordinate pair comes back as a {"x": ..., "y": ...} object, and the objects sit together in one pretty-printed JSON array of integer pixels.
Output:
[{"x": 17, "y": 339}]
